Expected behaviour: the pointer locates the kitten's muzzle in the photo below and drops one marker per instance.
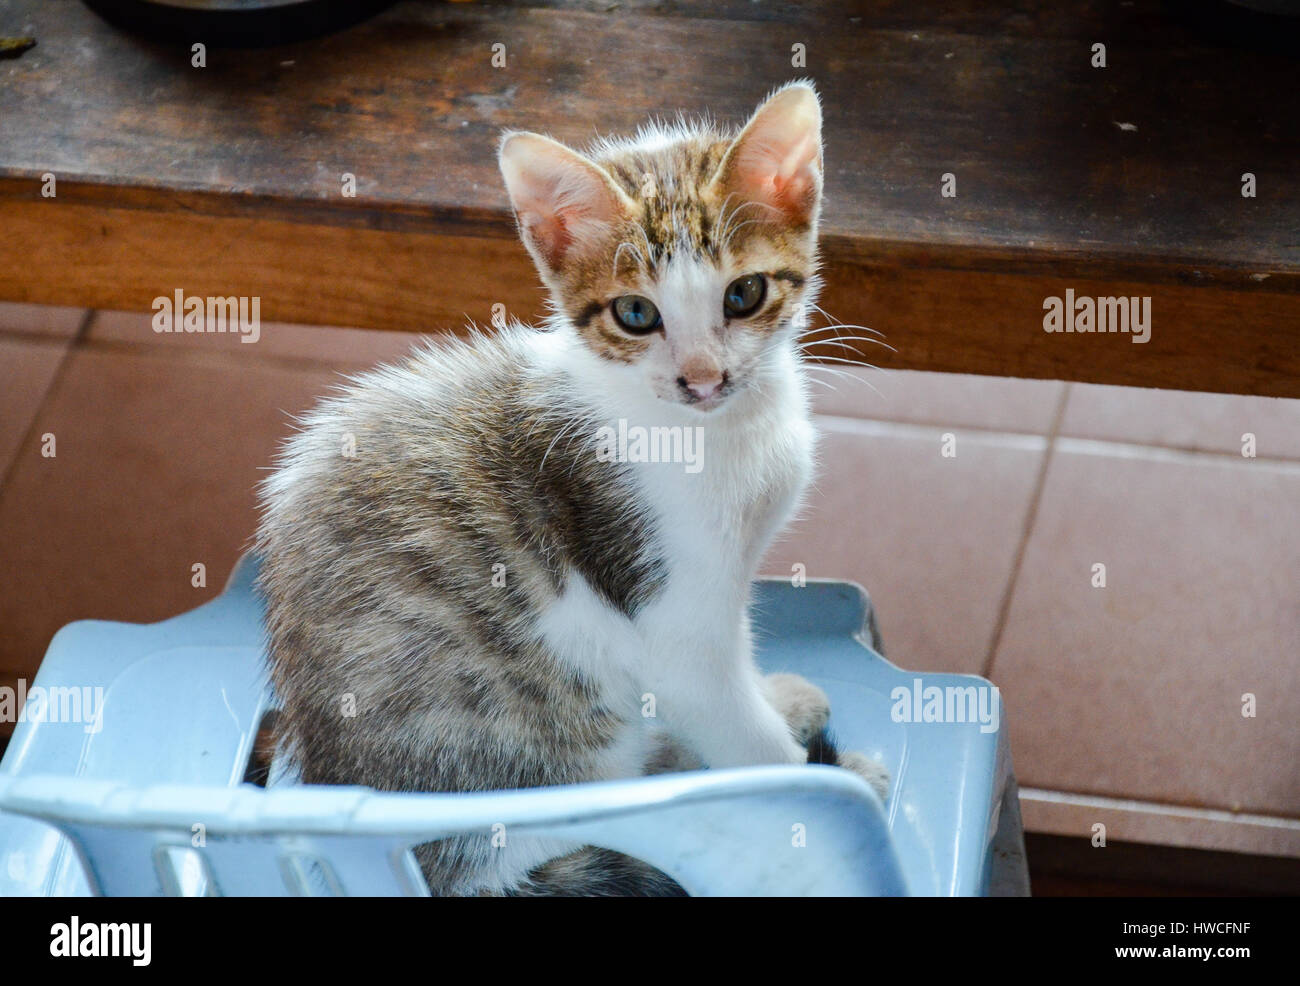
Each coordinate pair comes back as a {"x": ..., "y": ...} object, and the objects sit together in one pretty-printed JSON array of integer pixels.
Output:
[{"x": 704, "y": 390}]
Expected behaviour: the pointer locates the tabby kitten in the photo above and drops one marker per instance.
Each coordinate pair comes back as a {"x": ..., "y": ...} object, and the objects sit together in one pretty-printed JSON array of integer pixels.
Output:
[{"x": 458, "y": 547}]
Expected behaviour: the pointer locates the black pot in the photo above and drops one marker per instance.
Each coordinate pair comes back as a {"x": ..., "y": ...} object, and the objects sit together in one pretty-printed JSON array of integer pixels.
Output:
[{"x": 235, "y": 23}]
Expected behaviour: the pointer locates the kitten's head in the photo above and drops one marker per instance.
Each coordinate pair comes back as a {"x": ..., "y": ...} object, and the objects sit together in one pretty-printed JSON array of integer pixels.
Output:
[{"x": 682, "y": 255}]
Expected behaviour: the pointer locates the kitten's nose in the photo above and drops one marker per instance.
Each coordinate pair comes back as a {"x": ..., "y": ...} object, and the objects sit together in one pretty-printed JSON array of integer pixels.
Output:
[{"x": 703, "y": 386}]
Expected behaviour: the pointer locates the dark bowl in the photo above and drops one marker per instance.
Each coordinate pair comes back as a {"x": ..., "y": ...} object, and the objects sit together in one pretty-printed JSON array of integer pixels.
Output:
[{"x": 235, "y": 23}]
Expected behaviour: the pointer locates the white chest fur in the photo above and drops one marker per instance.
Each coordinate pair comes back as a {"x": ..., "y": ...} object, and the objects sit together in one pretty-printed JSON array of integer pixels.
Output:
[{"x": 690, "y": 643}]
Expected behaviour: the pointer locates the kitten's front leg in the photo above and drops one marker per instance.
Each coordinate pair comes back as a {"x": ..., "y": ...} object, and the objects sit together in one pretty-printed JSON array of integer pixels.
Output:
[
  {"x": 807, "y": 710},
  {"x": 718, "y": 707},
  {"x": 738, "y": 718}
]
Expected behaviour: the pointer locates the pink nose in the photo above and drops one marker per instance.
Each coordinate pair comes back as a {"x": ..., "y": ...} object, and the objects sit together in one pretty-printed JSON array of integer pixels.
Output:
[{"x": 703, "y": 387}]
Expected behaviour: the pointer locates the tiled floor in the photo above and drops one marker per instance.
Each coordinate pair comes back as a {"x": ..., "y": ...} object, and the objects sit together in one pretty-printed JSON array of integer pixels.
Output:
[{"x": 1124, "y": 701}]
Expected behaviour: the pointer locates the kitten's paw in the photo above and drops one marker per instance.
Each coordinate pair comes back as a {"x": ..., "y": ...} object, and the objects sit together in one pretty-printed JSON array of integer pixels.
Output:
[
  {"x": 871, "y": 771},
  {"x": 802, "y": 704}
]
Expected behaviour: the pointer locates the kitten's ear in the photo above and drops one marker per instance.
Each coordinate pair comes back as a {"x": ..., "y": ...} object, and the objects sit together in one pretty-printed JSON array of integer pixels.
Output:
[
  {"x": 777, "y": 159},
  {"x": 567, "y": 206}
]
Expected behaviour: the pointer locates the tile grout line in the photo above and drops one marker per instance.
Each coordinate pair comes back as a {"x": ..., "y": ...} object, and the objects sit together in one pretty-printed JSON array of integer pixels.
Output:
[
  {"x": 1031, "y": 519},
  {"x": 1112, "y": 446},
  {"x": 83, "y": 327},
  {"x": 1076, "y": 799}
]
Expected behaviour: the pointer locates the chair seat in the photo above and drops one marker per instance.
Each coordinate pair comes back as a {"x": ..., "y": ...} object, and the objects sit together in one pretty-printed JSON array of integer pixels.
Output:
[{"x": 109, "y": 806}]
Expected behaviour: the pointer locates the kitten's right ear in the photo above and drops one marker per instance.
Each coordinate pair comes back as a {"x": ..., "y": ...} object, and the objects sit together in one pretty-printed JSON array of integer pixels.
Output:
[
  {"x": 777, "y": 159},
  {"x": 567, "y": 206}
]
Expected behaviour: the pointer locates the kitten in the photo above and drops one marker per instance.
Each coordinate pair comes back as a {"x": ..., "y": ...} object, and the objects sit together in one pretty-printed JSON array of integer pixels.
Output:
[{"x": 490, "y": 583}]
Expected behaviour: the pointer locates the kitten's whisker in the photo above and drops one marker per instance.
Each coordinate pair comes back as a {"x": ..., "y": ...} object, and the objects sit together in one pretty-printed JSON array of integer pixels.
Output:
[
  {"x": 722, "y": 212},
  {"x": 625, "y": 245},
  {"x": 724, "y": 218},
  {"x": 810, "y": 334},
  {"x": 858, "y": 380},
  {"x": 649, "y": 253},
  {"x": 843, "y": 343},
  {"x": 836, "y": 343},
  {"x": 835, "y": 326},
  {"x": 739, "y": 227},
  {"x": 841, "y": 373},
  {"x": 814, "y": 360},
  {"x": 839, "y": 332},
  {"x": 834, "y": 371},
  {"x": 826, "y": 368},
  {"x": 728, "y": 231},
  {"x": 733, "y": 227},
  {"x": 824, "y": 383}
]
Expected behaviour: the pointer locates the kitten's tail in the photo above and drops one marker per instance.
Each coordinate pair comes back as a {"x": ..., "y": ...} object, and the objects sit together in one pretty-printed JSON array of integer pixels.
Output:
[
  {"x": 593, "y": 872},
  {"x": 821, "y": 749}
]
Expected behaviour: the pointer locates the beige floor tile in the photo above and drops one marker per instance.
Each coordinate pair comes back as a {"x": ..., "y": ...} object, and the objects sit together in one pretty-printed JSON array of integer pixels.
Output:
[
  {"x": 27, "y": 368},
  {"x": 346, "y": 348},
  {"x": 932, "y": 539},
  {"x": 157, "y": 458},
  {"x": 1135, "y": 690},
  {"x": 942, "y": 399},
  {"x": 45, "y": 320},
  {"x": 1183, "y": 419}
]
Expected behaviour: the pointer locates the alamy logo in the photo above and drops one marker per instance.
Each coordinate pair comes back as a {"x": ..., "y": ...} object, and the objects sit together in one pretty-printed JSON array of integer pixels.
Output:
[
  {"x": 980, "y": 703},
  {"x": 1086, "y": 314},
  {"x": 54, "y": 704},
  {"x": 213, "y": 314},
  {"x": 657, "y": 443},
  {"x": 102, "y": 940}
]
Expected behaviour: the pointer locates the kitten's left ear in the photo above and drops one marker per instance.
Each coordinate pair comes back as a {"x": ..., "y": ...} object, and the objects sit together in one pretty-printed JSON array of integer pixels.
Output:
[
  {"x": 777, "y": 159},
  {"x": 567, "y": 206}
]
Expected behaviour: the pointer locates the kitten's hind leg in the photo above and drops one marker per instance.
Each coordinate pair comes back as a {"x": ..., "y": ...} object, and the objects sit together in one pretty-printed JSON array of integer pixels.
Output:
[
  {"x": 803, "y": 705},
  {"x": 670, "y": 756},
  {"x": 872, "y": 771}
]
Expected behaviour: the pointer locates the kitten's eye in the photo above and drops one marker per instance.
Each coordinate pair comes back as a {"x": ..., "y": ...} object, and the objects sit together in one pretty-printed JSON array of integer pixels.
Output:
[
  {"x": 744, "y": 295},
  {"x": 636, "y": 314}
]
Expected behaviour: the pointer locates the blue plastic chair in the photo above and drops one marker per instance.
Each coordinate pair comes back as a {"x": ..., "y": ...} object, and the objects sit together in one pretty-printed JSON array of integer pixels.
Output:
[{"x": 153, "y": 801}]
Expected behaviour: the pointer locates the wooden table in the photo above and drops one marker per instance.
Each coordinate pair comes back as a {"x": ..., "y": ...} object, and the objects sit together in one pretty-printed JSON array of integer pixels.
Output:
[{"x": 1124, "y": 180}]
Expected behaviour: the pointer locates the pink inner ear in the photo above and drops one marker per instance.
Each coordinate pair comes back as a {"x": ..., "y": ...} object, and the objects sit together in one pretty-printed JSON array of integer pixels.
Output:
[
  {"x": 550, "y": 234},
  {"x": 782, "y": 177},
  {"x": 571, "y": 217},
  {"x": 563, "y": 202},
  {"x": 777, "y": 160},
  {"x": 546, "y": 220}
]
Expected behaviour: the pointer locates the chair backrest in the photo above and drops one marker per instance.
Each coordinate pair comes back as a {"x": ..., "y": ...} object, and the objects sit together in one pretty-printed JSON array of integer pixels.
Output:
[
  {"x": 84, "y": 808},
  {"x": 759, "y": 831}
]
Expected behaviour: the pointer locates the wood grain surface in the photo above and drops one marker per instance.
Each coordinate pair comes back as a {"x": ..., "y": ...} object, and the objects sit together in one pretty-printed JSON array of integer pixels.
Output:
[{"x": 1120, "y": 180}]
